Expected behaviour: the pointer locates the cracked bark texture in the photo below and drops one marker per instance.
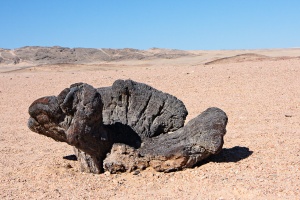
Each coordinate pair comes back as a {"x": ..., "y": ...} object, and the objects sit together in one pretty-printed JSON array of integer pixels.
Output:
[{"x": 122, "y": 127}]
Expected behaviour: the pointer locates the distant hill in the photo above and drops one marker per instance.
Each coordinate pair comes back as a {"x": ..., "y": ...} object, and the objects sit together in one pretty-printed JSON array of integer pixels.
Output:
[
  {"x": 30, "y": 56},
  {"x": 36, "y": 55},
  {"x": 247, "y": 57}
]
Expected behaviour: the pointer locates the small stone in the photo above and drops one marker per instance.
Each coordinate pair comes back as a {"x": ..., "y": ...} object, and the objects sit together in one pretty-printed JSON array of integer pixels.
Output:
[
  {"x": 68, "y": 166},
  {"x": 106, "y": 173},
  {"x": 136, "y": 172}
]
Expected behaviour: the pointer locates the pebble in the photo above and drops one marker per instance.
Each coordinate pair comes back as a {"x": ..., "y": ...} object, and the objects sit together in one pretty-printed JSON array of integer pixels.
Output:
[{"x": 136, "y": 172}]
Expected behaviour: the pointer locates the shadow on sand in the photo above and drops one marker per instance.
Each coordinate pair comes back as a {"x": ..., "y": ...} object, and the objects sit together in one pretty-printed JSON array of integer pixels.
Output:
[
  {"x": 70, "y": 157},
  {"x": 233, "y": 154}
]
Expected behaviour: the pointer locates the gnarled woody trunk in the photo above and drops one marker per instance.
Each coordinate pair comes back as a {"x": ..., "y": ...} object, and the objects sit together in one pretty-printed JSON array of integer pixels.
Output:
[{"x": 127, "y": 126}]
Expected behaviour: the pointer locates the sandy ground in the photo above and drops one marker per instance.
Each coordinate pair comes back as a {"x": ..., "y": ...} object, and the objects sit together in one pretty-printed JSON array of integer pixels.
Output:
[{"x": 260, "y": 157}]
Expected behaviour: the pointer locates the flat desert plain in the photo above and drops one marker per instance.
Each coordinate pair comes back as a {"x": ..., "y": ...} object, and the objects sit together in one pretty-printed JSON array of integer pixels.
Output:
[{"x": 260, "y": 158}]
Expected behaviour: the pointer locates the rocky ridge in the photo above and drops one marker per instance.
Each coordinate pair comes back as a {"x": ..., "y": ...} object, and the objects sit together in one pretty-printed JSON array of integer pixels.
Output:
[{"x": 36, "y": 55}]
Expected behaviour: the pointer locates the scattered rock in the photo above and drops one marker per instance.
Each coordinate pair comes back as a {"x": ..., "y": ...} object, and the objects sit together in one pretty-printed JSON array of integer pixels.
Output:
[
  {"x": 68, "y": 166},
  {"x": 136, "y": 172}
]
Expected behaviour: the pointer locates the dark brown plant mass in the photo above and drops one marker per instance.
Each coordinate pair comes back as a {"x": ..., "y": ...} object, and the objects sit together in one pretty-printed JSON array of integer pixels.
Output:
[{"x": 128, "y": 126}]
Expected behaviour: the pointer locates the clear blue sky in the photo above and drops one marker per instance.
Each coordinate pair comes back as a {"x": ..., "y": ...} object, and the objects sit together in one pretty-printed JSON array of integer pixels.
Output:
[{"x": 142, "y": 24}]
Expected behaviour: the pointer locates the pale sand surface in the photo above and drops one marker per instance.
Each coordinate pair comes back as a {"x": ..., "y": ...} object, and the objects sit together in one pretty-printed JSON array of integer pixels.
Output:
[{"x": 261, "y": 156}]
